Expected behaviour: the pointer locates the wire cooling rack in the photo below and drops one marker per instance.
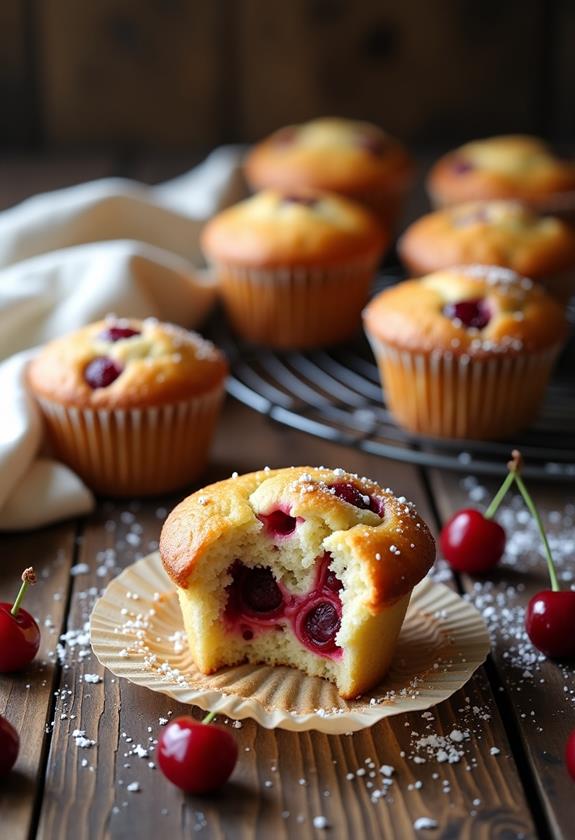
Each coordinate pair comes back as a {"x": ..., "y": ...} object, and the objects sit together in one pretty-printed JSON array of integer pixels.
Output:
[{"x": 335, "y": 394}]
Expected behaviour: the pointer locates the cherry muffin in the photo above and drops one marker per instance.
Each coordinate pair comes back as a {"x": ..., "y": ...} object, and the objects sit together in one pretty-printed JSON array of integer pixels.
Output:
[
  {"x": 306, "y": 567},
  {"x": 505, "y": 233},
  {"x": 514, "y": 166},
  {"x": 465, "y": 352},
  {"x": 294, "y": 270},
  {"x": 130, "y": 405},
  {"x": 355, "y": 159}
]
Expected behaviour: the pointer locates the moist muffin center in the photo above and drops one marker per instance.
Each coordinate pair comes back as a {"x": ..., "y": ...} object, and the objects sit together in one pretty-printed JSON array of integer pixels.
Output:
[{"x": 257, "y": 603}]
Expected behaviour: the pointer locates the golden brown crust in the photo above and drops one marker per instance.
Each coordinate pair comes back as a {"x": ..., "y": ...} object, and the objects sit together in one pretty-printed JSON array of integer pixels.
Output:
[
  {"x": 396, "y": 550},
  {"x": 163, "y": 364},
  {"x": 270, "y": 230},
  {"x": 513, "y": 166},
  {"x": 504, "y": 233},
  {"x": 331, "y": 154},
  {"x": 411, "y": 315}
]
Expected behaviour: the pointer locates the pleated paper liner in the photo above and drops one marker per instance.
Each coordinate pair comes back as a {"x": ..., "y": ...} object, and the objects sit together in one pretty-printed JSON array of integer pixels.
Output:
[{"x": 137, "y": 632}]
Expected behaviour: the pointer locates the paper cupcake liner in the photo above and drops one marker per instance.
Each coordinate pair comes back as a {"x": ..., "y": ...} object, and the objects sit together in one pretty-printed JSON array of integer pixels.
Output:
[
  {"x": 296, "y": 307},
  {"x": 447, "y": 395},
  {"x": 136, "y": 451},
  {"x": 442, "y": 642}
]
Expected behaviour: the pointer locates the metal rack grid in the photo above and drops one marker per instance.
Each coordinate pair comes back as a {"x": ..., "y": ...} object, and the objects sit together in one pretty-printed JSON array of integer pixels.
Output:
[{"x": 336, "y": 395}]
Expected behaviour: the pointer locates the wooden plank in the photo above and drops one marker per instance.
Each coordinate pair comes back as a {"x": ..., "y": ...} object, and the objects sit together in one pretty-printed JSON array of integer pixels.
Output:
[
  {"x": 26, "y": 697},
  {"x": 561, "y": 67},
  {"x": 18, "y": 115},
  {"x": 539, "y": 693},
  {"x": 131, "y": 74},
  {"x": 266, "y": 797},
  {"x": 418, "y": 73}
]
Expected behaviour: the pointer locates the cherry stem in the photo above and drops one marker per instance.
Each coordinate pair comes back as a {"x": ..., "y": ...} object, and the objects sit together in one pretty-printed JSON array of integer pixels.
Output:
[
  {"x": 513, "y": 466},
  {"x": 28, "y": 577},
  {"x": 535, "y": 514},
  {"x": 500, "y": 495},
  {"x": 209, "y": 717}
]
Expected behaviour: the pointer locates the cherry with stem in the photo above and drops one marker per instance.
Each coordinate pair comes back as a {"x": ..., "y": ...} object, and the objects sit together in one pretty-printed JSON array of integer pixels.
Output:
[
  {"x": 472, "y": 541},
  {"x": 19, "y": 632},
  {"x": 196, "y": 757},
  {"x": 550, "y": 614}
]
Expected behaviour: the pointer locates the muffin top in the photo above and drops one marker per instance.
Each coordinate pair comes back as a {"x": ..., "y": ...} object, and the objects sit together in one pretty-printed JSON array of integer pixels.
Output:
[
  {"x": 273, "y": 229},
  {"x": 121, "y": 363},
  {"x": 328, "y": 154},
  {"x": 380, "y": 532},
  {"x": 513, "y": 166},
  {"x": 505, "y": 233},
  {"x": 471, "y": 311}
]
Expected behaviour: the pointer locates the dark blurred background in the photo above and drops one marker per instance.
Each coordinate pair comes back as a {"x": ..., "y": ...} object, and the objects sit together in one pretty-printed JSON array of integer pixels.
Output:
[{"x": 157, "y": 74}]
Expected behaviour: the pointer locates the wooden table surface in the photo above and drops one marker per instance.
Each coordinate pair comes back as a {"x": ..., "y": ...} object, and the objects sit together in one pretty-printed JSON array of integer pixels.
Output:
[{"x": 509, "y": 723}]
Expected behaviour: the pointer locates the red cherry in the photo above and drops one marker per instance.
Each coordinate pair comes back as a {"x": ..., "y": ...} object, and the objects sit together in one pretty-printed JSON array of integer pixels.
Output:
[
  {"x": 101, "y": 372},
  {"x": 461, "y": 167},
  {"x": 196, "y": 757},
  {"x": 471, "y": 543},
  {"x": 253, "y": 591},
  {"x": 278, "y": 523},
  {"x": 9, "y": 746},
  {"x": 318, "y": 622},
  {"x": 349, "y": 493},
  {"x": 570, "y": 754},
  {"x": 550, "y": 623},
  {"x": 19, "y": 639},
  {"x": 321, "y": 624},
  {"x": 19, "y": 633},
  {"x": 260, "y": 592},
  {"x": 116, "y": 333},
  {"x": 471, "y": 313}
]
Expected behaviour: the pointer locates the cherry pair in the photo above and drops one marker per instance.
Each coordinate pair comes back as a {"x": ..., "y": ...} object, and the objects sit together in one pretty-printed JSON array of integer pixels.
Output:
[{"x": 472, "y": 542}]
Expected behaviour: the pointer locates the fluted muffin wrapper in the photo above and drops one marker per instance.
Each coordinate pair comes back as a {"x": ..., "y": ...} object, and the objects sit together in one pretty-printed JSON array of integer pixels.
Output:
[
  {"x": 442, "y": 394},
  {"x": 442, "y": 642},
  {"x": 296, "y": 307},
  {"x": 138, "y": 451}
]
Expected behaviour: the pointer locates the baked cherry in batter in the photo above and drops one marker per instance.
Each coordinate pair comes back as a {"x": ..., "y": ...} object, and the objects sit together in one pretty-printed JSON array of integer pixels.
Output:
[
  {"x": 117, "y": 332},
  {"x": 101, "y": 372},
  {"x": 471, "y": 313},
  {"x": 256, "y": 601}
]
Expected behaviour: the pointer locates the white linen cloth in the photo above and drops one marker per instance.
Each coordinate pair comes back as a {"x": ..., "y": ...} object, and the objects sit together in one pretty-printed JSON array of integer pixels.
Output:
[{"x": 70, "y": 257}]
